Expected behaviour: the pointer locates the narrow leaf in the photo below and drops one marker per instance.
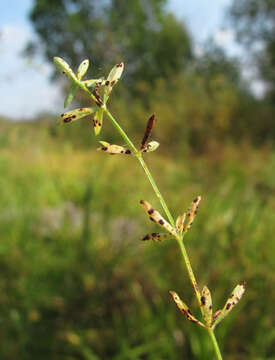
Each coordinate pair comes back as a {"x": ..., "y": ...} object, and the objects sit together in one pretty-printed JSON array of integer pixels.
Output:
[
  {"x": 151, "y": 146},
  {"x": 113, "y": 149},
  {"x": 206, "y": 304},
  {"x": 65, "y": 68},
  {"x": 155, "y": 216},
  {"x": 82, "y": 69},
  {"x": 232, "y": 301},
  {"x": 155, "y": 237},
  {"x": 98, "y": 120},
  {"x": 184, "y": 308},
  {"x": 75, "y": 114}
]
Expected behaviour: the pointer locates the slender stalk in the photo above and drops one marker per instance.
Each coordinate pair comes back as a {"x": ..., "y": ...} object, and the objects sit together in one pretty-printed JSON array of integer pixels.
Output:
[
  {"x": 215, "y": 343},
  {"x": 170, "y": 217},
  {"x": 167, "y": 212}
]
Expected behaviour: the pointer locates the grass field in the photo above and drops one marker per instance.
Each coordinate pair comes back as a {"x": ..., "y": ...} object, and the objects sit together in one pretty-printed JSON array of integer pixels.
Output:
[{"x": 76, "y": 281}]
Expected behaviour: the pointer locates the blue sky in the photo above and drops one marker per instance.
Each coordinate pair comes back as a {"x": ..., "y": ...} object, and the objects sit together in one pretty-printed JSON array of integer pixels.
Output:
[{"x": 24, "y": 86}]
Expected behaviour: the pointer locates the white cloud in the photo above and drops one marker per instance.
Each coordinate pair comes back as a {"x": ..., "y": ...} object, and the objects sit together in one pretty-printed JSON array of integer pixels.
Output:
[{"x": 24, "y": 86}]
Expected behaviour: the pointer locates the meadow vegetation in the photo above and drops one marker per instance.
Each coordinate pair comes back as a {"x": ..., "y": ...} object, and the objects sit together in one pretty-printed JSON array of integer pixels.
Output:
[{"x": 77, "y": 282}]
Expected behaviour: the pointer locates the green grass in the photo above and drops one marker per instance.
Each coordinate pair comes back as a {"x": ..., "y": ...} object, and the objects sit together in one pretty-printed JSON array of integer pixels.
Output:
[{"x": 76, "y": 281}]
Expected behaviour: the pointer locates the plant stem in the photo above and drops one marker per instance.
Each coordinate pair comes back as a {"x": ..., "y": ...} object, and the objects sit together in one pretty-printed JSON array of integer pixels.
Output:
[
  {"x": 190, "y": 270},
  {"x": 215, "y": 343},
  {"x": 169, "y": 216}
]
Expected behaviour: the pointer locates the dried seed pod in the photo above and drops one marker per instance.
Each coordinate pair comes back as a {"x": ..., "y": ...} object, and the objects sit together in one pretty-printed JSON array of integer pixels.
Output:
[
  {"x": 192, "y": 212},
  {"x": 155, "y": 216},
  {"x": 184, "y": 308},
  {"x": 232, "y": 301},
  {"x": 179, "y": 222},
  {"x": 113, "y": 149},
  {"x": 151, "y": 146},
  {"x": 113, "y": 77},
  {"x": 155, "y": 237},
  {"x": 75, "y": 114},
  {"x": 150, "y": 125},
  {"x": 65, "y": 68},
  {"x": 98, "y": 120},
  {"x": 82, "y": 69},
  {"x": 206, "y": 304}
]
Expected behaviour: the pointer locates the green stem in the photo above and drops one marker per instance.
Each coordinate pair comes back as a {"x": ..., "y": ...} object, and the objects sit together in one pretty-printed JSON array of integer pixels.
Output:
[
  {"x": 215, "y": 344},
  {"x": 167, "y": 212},
  {"x": 190, "y": 271}
]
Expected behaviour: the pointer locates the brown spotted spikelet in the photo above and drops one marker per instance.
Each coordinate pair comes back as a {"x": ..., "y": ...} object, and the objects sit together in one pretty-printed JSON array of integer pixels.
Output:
[
  {"x": 151, "y": 146},
  {"x": 206, "y": 305},
  {"x": 65, "y": 68},
  {"x": 184, "y": 308},
  {"x": 192, "y": 212},
  {"x": 155, "y": 216},
  {"x": 81, "y": 71},
  {"x": 75, "y": 114},
  {"x": 155, "y": 237},
  {"x": 98, "y": 121},
  {"x": 113, "y": 149},
  {"x": 149, "y": 127},
  {"x": 232, "y": 301},
  {"x": 113, "y": 77},
  {"x": 180, "y": 222}
]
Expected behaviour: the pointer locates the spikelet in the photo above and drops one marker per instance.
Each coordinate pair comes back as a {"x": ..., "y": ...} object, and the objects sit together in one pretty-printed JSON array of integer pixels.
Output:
[
  {"x": 98, "y": 120},
  {"x": 113, "y": 149},
  {"x": 75, "y": 114},
  {"x": 184, "y": 308},
  {"x": 206, "y": 305},
  {"x": 155, "y": 216},
  {"x": 113, "y": 77},
  {"x": 192, "y": 212},
  {"x": 151, "y": 146},
  {"x": 180, "y": 222},
  {"x": 155, "y": 237},
  {"x": 149, "y": 127},
  {"x": 232, "y": 301},
  {"x": 92, "y": 82},
  {"x": 81, "y": 71},
  {"x": 65, "y": 68}
]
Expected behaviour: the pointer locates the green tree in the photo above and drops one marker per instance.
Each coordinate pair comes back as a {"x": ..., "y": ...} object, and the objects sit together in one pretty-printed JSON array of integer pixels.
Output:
[
  {"x": 151, "y": 41},
  {"x": 254, "y": 22}
]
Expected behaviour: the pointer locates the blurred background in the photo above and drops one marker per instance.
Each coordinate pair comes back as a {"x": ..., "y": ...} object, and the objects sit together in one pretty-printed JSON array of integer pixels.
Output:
[{"x": 76, "y": 281}]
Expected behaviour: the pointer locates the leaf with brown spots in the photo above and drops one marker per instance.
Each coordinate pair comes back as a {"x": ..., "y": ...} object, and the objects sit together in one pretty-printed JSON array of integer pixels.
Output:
[{"x": 184, "y": 308}]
